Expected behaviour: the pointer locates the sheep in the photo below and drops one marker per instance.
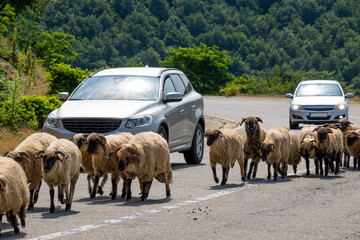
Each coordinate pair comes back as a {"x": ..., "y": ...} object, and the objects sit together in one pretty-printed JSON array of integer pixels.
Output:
[
  {"x": 352, "y": 143},
  {"x": 329, "y": 147},
  {"x": 345, "y": 126},
  {"x": 225, "y": 149},
  {"x": 307, "y": 147},
  {"x": 275, "y": 150},
  {"x": 146, "y": 156},
  {"x": 86, "y": 162},
  {"x": 294, "y": 156},
  {"x": 25, "y": 154},
  {"x": 14, "y": 194},
  {"x": 254, "y": 134},
  {"x": 61, "y": 160},
  {"x": 99, "y": 147}
]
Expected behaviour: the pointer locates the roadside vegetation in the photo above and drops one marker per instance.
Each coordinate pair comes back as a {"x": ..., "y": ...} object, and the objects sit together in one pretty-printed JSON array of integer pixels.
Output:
[{"x": 226, "y": 47}]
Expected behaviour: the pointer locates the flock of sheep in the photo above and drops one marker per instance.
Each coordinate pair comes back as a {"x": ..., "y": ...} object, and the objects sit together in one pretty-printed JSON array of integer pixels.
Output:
[{"x": 146, "y": 156}]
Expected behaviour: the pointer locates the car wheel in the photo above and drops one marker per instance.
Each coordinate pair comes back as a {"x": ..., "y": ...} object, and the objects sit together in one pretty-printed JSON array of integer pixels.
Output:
[
  {"x": 293, "y": 125},
  {"x": 162, "y": 132},
  {"x": 195, "y": 154}
]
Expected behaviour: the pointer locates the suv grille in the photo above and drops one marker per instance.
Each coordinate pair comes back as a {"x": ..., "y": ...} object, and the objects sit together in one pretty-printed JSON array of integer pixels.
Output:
[
  {"x": 91, "y": 125},
  {"x": 319, "y": 107}
]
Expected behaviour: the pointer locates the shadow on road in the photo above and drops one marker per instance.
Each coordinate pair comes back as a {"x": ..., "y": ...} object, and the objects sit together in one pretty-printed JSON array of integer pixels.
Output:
[
  {"x": 178, "y": 166},
  {"x": 9, "y": 233},
  {"x": 136, "y": 202},
  {"x": 59, "y": 212}
]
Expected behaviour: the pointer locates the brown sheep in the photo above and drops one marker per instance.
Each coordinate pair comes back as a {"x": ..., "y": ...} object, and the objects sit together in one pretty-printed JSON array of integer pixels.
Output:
[
  {"x": 275, "y": 150},
  {"x": 345, "y": 126},
  {"x": 225, "y": 149},
  {"x": 254, "y": 134},
  {"x": 294, "y": 156},
  {"x": 307, "y": 147},
  {"x": 14, "y": 193},
  {"x": 146, "y": 156},
  {"x": 99, "y": 147},
  {"x": 352, "y": 143},
  {"x": 25, "y": 154}
]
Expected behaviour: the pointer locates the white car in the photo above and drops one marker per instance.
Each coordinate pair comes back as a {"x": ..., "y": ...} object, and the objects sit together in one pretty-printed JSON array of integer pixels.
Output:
[
  {"x": 135, "y": 100},
  {"x": 318, "y": 102}
]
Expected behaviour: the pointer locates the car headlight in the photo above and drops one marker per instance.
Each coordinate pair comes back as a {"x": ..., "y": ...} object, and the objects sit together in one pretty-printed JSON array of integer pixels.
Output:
[
  {"x": 340, "y": 107},
  {"x": 297, "y": 107},
  {"x": 51, "y": 120},
  {"x": 141, "y": 121}
]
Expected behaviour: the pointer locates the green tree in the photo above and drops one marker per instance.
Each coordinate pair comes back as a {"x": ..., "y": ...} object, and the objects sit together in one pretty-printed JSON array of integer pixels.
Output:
[
  {"x": 205, "y": 66},
  {"x": 6, "y": 18}
]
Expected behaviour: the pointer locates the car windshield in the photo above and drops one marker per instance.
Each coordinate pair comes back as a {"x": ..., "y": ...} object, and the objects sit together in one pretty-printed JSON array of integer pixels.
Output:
[
  {"x": 141, "y": 88},
  {"x": 318, "y": 89}
]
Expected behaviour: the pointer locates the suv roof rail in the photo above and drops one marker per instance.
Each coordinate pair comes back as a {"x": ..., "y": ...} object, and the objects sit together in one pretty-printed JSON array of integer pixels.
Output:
[{"x": 166, "y": 69}]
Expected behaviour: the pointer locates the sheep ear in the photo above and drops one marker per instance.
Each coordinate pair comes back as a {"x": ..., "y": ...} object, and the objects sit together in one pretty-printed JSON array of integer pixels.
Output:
[
  {"x": 5, "y": 154},
  {"x": 134, "y": 160},
  {"x": 315, "y": 129},
  {"x": 40, "y": 154},
  {"x": 206, "y": 134},
  {"x": 259, "y": 119},
  {"x": 220, "y": 134},
  {"x": 242, "y": 121},
  {"x": 272, "y": 146},
  {"x": 102, "y": 140},
  {"x": 2, "y": 184}
]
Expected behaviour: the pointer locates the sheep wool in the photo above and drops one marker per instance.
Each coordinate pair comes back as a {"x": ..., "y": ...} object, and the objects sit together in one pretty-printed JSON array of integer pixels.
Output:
[
  {"x": 294, "y": 155},
  {"x": 307, "y": 147}
]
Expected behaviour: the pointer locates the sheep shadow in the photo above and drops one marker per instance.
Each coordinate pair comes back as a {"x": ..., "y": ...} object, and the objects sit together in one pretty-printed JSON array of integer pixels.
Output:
[
  {"x": 97, "y": 200},
  {"x": 227, "y": 186},
  {"x": 38, "y": 210},
  {"x": 136, "y": 202},
  {"x": 178, "y": 166},
  {"x": 59, "y": 212},
  {"x": 10, "y": 233}
]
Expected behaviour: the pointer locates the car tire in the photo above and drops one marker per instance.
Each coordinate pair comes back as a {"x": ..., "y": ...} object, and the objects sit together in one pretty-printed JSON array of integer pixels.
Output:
[
  {"x": 293, "y": 125},
  {"x": 195, "y": 154},
  {"x": 162, "y": 132}
]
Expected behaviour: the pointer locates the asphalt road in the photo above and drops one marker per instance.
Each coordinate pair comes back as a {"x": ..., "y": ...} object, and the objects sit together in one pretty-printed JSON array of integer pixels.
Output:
[{"x": 297, "y": 207}]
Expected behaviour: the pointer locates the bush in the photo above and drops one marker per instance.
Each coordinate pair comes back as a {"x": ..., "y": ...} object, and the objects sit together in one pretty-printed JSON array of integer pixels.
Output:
[{"x": 31, "y": 111}]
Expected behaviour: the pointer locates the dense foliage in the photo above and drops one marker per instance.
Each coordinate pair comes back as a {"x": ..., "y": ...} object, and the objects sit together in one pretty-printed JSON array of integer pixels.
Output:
[{"x": 262, "y": 37}]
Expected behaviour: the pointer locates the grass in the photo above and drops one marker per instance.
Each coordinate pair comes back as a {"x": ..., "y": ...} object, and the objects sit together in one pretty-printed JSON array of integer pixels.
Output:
[{"x": 9, "y": 139}]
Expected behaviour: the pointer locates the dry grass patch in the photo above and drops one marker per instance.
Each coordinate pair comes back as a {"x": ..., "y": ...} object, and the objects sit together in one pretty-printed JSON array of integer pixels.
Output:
[{"x": 9, "y": 139}]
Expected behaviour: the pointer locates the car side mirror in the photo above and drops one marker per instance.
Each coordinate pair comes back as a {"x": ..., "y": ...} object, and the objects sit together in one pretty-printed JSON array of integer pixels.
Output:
[
  {"x": 63, "y": 96},
  {"x": 349, "y": 95},
  {"x": 289, "y": 95},
  {"x": 173, "y": 97}
]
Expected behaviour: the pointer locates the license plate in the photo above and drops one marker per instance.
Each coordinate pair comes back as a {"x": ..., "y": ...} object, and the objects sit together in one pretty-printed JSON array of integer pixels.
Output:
[{"x": 318, "y": 114}]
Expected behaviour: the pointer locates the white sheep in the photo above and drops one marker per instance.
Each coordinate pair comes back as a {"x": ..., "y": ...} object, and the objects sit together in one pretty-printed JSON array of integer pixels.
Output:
[
  {"x": 86, "y": 161},
  {"x": 254, "y": 134},
  {"x": 225, "y": 149},
  {"x": 275, "y": 150},
  {"x": 14, "y": 194},
  {"x": 346, "y": 126},
  {"x": 25, "y": 154},
  {"x": 307, "y": 147},
  {"x": 146, "y": 157},
  {"x": 294, "y": 156},
  {"x": 329, "y": 147},
  {"x": 61, "y": 168},
  {"x": 99, "y": 147}
]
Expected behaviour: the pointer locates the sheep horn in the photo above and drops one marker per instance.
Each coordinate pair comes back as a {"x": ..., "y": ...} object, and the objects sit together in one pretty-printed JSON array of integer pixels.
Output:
[
  {"x": 24, "y": 154},
  {"x": 39, "y": 154},
  {"x": 5, "y": 154},
  {"x": 133, "y": 151},
  {"x": 242, "y": 121},
  {"x": 259, "y": 119},
  {"x": 111, "y": 154},
  {"x": 102, "y": 140},
  {"x": 61, "y": 153}
]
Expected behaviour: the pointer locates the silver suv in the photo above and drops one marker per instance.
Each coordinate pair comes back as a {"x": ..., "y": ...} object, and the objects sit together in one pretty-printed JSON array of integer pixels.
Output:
[
  {"x": 135, "y": 100},
  {"x": 318, "y": 102}
]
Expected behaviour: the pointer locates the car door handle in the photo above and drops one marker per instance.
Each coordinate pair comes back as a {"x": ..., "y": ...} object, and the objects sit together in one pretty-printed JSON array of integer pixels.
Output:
[
  {"x": 181, "y": 110},
  {"x": 193, "y": 106}
]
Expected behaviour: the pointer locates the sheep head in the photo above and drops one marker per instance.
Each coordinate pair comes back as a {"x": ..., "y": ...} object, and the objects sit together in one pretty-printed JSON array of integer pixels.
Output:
[
  {"x": 126, "y": 154},
  {"x": 2, "y": 185},
  {"x": 308, "y": 147},
  {"x": 344, "y": 123},
  {"x": 352, "y": 137},
  {"x": 50, "y": 158},
  {"x": 251, "y": 124},
  {"x": 95, "y": 142},
  {"x": 18, "y": 156},
  {"x": 79, "y": 139},
  {"x": 265, "y": 150},
  {"x": 212, "y": 135},
  {"x": 322, "y": 133}
]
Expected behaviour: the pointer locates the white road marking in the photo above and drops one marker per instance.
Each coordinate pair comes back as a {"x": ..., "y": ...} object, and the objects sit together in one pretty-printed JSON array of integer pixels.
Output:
[{"x": 152, "y": 211}]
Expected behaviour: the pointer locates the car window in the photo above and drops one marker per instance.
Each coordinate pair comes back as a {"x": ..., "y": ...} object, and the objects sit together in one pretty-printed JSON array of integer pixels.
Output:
[
  {"x": 318, "y": 89},
  {"x": 118, "y": 88},
  {"x": 186, "y": 83},
  {"x": 168, "y": 86},
  {"x": 179, "y": 85}
]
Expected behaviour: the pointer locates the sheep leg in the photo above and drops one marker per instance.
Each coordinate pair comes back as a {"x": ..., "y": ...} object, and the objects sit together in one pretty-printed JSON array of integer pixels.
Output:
[
  {"x": 307, "y": 161},
  {"x": 321, "y": 166},
  {"x": 72, "y": 191},
  {"x": 242, "y": 172},
  {"x": 31, "y": 203},
  {"x": 295, "y": 168},
  {"x": 61, "y": 190},
  {"x": 338, "y": 163},
  {"x": 124, "y": 188},
  {"x": 355, "y": 162},
  {"x": 13, "y": 221},
  {"x": 326, "y": 160},
  {"x": 275, "y": 166},
  {"x": 316, "y": 163},
  {"x": 167, "y": 188},
  {"x": 128, "y": 195},
  {"x": 22, "y": 214},
  {"x": 245, "y": 165},
  {"x": 347, "y": 160},
  {"x": 100, "y": 188},
  {"x": 147, "y": 189},
  {"x": 36, "y": 193},
  {"x": 52, "y": 205},
  {"x": 269, "y": 172},
  {"x": 1, "y": 217},
  {"x": 283, "y": 170},
  {"x": 255, "y": 170},
  {"x": 95, "y": 186},
  {"x": 225, "y": 175},
  {"x": 114, "y": 188},
  {"x": 89, "y": 184},
  {"x": 250, "y": 169},
  {"x": 331, "y": 163},
  {"x": 213, "y": 168},
  {"x": 358, "y": 163}
]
